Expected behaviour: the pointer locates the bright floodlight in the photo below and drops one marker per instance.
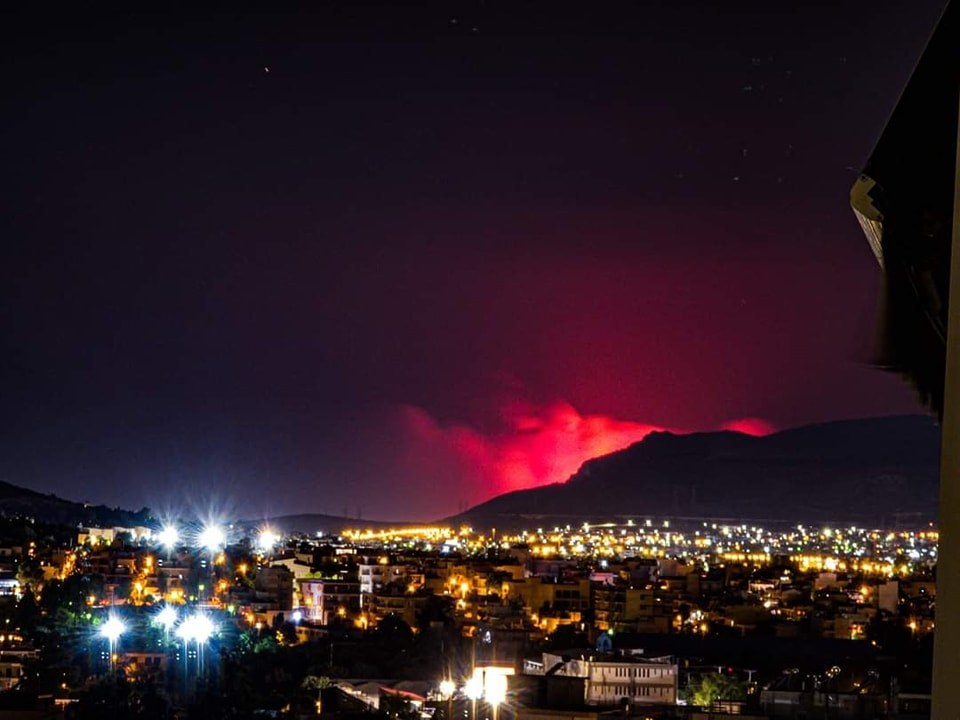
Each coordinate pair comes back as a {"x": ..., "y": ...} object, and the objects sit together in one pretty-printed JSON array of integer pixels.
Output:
[
  {"x": 267, "y": 539},
  {"x": 212, "y": 537},
  {"x": 167, "y": 617},
  {"x": 473, "y": 688},
  {"x": 203, "y": 629},
  {"x": 184, "y": 630},
  {"x": 447, "y": 688},
  {"x": 496, "y": 690},
  {"x": 168, "y": 536},
  {"x": 196, "y": 628},
  {"x": 112, "y": 629},
  {"x": 296, "y": 616}
]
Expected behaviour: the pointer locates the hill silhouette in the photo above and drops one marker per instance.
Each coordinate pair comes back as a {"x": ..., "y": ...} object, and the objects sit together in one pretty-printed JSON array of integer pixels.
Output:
[
  {"x": 16, "y": 501},
  {"x": 875, "y": 472}
]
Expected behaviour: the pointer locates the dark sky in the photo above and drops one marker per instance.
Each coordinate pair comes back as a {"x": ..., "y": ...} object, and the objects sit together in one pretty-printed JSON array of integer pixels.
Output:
[{"x": 390, "y": 260}]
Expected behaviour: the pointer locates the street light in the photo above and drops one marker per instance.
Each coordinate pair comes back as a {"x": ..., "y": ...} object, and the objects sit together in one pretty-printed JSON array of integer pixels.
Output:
[
  {"x": 168, "y": 537},
  {"x": 197, "y": 628},
  {"x": 166, "y": 618},
  {"x": 473, "y": 689},
  {"x": 203, "y": 628},
  {"x": 496, "y": 691},
  {"x": 267, "y": 539},
  {"x": 212, "y": 537},
  {"x": 447, "y": 689},
  {"x": 112, "y": 629}
]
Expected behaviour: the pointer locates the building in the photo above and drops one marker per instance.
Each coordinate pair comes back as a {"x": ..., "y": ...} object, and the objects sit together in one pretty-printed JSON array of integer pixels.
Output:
[
  {"x": 643, "y": 609},
  {"x": 10, "y": 674},
  {"x": 323, "y": 599},
  {"x": 537, "y": 594},
  {"x": 374, "y": 576},
  {"x": 274, "y": 585},
  {"x": 615, "y": 679},
  {"x": 406, "y": 606}
]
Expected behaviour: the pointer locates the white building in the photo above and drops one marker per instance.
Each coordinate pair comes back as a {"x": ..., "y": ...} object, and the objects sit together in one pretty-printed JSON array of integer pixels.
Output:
[
  {"x": 612, "y": 679},
  {"x": 374, "y": 576}
]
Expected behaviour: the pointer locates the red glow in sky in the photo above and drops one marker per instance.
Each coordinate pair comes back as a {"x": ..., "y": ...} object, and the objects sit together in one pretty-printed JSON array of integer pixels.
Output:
[
  {"x": 544, "y": 445},
  {"x": 536, "y": 445},
  {"x": 758, "y": 427}
]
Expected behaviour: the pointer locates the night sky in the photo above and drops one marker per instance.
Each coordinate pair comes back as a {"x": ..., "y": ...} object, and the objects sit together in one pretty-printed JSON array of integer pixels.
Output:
[{"x": 392, "y": 260}]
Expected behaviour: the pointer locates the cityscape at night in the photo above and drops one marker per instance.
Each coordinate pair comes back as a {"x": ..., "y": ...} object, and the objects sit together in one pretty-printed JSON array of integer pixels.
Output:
[
  {"x": 182, "y": 612},
  {"x": 480, "y": 360}
]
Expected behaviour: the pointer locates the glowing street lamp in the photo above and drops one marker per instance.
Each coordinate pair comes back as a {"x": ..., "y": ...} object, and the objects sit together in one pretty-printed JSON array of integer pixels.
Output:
[
  {"x": 168, "y": 537},
  {"x": 112, "y": 629},
  {"x": 203, "y": 628},
  {"x": 473, "y": 689},
  {"x": 184, "y": 632},
  {"x": 212, "y": 537},
  {"x": 166, "y": 618},
  {"x": 197, "y": 628},
  {"x": 267, "y": 539},
  {"x": 447, "y": 689},
  {"x": 496, "y": 691}
]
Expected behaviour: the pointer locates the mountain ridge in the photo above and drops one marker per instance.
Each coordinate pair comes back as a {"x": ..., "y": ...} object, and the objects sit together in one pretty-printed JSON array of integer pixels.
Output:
[
  {"x": 859, "y": 470},
  {"x": 18, "y": 501}
]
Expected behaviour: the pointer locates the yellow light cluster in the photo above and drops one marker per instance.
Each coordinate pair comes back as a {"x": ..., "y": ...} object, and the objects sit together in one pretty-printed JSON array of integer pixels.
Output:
[{"x": 412, "y": 533}]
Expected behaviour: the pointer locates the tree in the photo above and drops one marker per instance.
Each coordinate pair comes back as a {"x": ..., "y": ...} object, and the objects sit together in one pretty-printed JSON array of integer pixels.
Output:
[
  {"x": 393, "y": 632},
  {"x": 316, "y": 683},
  {"x": 313, "y": 687},
  {"x": 436, "y": 608},
  {"x": 705, "y": 690},
  {"x": 30, "y": 576},
  {"x": 397, "y": 706}
]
